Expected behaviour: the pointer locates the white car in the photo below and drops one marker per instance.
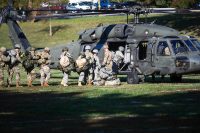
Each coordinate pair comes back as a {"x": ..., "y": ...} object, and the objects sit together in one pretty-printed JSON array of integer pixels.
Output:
[{"x": 80, "y": 6}]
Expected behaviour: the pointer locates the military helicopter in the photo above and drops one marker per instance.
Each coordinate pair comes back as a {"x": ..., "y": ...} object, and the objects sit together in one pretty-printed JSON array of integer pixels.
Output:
[{"x": 144, "y": 44}]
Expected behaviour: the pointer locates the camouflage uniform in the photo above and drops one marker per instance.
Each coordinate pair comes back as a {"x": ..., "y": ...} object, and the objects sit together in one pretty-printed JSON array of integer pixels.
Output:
[
  {"x": 4, "y": 59},
  {"x": 16, "y": 55},
  {"x": 31, "y": 74},
  {"x": 90, "y": 58},
  {"x": 65, "y": 79},
  {"x": 96, "y": 65},
  {"x": 81, "y": 73},
  {"x": 117, "y": 60},
  {"x": 44, "y": 62},
  {"x": 107, "y": 61}
]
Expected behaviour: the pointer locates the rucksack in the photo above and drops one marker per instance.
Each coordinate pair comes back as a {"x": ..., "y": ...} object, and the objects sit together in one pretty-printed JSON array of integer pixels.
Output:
[{"x": 64, "y": 61}]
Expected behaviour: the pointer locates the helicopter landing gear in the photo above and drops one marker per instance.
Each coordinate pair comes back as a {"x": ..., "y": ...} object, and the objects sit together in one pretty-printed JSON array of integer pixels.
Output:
[
  {"x": 175, "y": 78},
  {"x": 132, "y": 78}
]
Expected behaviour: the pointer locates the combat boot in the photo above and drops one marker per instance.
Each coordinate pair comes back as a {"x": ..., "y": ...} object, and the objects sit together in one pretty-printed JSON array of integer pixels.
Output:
[
  {"x": 18, "y": 85},
  {"x": 79, "y": 84},
  {"x": 89, "y": 83},
  {"x": 65, "y": 85},
  {"x": 62, "y": 82},
  {"x": 46, "y": 84},
  {"x": 29, "y": 83}
]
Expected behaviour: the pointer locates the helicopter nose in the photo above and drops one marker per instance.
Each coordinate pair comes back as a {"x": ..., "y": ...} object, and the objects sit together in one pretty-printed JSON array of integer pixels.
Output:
[{"x": 194, "y": 63}]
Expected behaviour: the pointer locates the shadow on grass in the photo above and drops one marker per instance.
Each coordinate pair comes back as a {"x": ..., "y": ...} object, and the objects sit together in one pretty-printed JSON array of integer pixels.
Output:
[
  {"x": 54, "y": 29},
  {"x": 73, "y": 111}
]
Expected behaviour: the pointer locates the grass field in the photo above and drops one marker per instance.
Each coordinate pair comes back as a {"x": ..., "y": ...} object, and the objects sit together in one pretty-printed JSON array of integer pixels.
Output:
[{"x": 157, "y": 107}]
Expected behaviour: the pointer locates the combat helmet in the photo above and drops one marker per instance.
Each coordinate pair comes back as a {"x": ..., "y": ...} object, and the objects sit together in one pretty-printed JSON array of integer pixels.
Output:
[
  {"x": 121, "y": 48},
  {"x": 95, "y": 51},
  {"x": 46, "y": 49},
  {"x": 3, "y": 49},
  {"x": 17, "y": 46},
  {"x": 88, "y": 47}
]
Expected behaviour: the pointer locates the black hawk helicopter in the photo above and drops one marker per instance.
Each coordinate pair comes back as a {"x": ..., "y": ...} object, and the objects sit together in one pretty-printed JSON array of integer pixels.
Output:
[{"x": 145, "y": 45}]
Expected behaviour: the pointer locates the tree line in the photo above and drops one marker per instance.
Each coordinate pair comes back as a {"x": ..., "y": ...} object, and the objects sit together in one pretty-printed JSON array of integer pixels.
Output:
[{"x": 155, "y": 3}]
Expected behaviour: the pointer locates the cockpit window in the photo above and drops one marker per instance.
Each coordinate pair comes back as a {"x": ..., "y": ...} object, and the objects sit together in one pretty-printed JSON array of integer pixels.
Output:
[
  {"x": 178, "y": 46},
  {"x": 163, "y": 49},
  {"x": 190, "y": 45},
  {"x": 196, "y": 43}
]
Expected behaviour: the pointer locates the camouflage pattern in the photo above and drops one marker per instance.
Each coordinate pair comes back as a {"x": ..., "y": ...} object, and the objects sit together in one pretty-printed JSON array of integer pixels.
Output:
[
  {"x": 31, "y": 75},
  {"x": 90, "y": 58},
  {"x": 44, "y": 61},
  {"x": 65, "y": 79},
  {"x": 107, "y": 61},
  {"x": 96, "y": 67},
  {"x": 4, "y": 59},
  {"x": 14, "y": 67}
]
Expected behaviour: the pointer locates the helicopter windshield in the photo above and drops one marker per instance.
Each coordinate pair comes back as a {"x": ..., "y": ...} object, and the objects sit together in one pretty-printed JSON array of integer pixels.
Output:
[
  {"x": 190, "y": 45},
  {"x": 178, "y": 46},
  {"x": 196, "y": 43}
]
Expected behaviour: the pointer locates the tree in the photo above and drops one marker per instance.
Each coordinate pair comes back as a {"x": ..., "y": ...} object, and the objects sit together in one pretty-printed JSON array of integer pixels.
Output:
[{"x": 183, "y": 3}]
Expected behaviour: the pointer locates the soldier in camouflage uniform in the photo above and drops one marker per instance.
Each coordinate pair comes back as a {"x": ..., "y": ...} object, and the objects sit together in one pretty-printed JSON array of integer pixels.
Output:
[
  {"x": 107, "y": 61},
  {"x": 96, "y": 65},
  {"x": 4, "y": 59},
  {"x": 44, "y": 61},
  {"x": 66, "y": 65},
  {"x": 118, "y": 59},
  {"x": 90, "y": 58},
  {"x": 16, "y": 59},
  {"x": 31, "y": 59},
  {"x": 82, "y": 66}
]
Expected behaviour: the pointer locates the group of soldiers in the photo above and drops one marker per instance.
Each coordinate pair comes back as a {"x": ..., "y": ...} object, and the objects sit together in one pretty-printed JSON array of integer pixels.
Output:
[
  {"x": 87, "y": 65},
  {"x": 13, "y": 58}
]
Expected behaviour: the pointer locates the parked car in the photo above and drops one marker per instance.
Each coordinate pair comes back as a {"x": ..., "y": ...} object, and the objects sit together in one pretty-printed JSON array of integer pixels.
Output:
[
  {"x": 57, "y": 8},
  {"x": 117, "y": 5},
  {"x": 80, "y": 6},
  {"x": 106, "y": 4},
  {"x": 71, "y": 7},
  {"x": 92, "y": 5}
]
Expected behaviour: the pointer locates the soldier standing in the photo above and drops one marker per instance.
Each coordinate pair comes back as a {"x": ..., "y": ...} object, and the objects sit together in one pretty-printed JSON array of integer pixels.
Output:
[
  {"x": 96, "y": 65},
  {"x": 29, "y": 64},
  {"x": 4, "y": 59},
  {"x": 82, "y": 65},
  {"x": 44, "y": 62},
  {"x": 65, "y": 58},
  {"x": 118, "y": 59},
  {"x": 16, "y": 56},
  {"x": 107, "y": 61},
  {"x": 90, "y": 58}
]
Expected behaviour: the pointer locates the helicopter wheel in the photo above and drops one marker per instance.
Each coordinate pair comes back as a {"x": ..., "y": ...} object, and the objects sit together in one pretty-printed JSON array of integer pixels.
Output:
[
  {"x": 132, "y": 78},
  {"x": 175, "y": 78}
]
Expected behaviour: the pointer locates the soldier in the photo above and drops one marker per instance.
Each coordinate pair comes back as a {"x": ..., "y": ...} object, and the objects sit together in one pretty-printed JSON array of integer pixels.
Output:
[
  {"x": 65, "y": 61},
  {"x": 118, "y": 59},
  {"x": 44, "y": 62},
  {"x": 90, "y": 58},
  {"x": 82, "y": 65},
  {"x": 15, "y": 56},
  {"x": 29, "y": 63},
  {"x": 96, "y": 65},
  {"x": 107, "y": 61},
  {"x": 4, "y": 59}
]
